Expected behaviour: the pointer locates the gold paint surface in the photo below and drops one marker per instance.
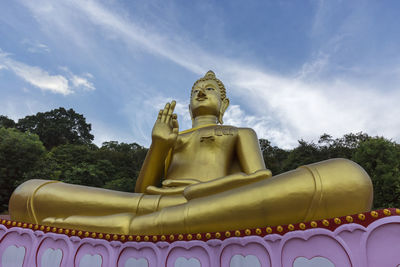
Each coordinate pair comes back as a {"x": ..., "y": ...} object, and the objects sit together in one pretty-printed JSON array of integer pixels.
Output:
[{"x": 214, "y": 180}]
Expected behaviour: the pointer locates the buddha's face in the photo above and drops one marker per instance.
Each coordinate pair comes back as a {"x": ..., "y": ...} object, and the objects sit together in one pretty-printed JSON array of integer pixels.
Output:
[{"x": 205, "y": 99}]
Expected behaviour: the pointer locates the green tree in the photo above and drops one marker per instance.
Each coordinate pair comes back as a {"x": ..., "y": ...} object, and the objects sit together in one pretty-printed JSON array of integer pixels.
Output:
[
  {"x": 58, "y": 127},
  {"x": 113, "y": 166},
  {"x": 343, "y": 147},
  {"x": 327, "y": 147},
  {"x": 6, "y": 122},
  {"x": 381, "y": 159},
  {"x": 304, "y": 153},
  {"x": 126, "y": 160},
  {"x": 77, "y": 164},
  {"x": 19, "y": 154},
  {"x": 274, "y": 156}
]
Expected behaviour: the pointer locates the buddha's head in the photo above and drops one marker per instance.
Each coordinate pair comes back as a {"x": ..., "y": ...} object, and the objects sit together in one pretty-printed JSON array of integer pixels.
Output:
[{"x": 208, "y": 97}]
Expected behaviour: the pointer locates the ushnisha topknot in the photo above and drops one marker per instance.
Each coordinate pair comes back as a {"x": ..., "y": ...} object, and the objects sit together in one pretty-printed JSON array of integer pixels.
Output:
[{"x": 210, "y": 75}]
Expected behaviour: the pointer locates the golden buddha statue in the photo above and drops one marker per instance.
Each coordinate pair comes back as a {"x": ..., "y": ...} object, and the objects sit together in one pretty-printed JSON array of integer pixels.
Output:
[{"x": 214, "y": 180}]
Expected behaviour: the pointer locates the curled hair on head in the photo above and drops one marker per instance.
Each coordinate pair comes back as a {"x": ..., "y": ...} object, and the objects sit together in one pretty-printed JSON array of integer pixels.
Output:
[{"x": 210, "y": 75}]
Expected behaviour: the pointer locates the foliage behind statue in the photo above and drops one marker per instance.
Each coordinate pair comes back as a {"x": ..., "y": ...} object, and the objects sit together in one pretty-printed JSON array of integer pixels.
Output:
[{"x": 116, "y": 165}]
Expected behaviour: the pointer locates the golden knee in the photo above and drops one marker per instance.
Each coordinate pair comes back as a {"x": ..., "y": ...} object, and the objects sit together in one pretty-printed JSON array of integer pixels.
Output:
[{"x": 21, "y": 205}]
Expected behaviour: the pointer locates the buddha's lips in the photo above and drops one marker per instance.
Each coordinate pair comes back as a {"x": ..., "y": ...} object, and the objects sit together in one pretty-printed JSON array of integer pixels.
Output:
[{"x": 201, "y": 98}]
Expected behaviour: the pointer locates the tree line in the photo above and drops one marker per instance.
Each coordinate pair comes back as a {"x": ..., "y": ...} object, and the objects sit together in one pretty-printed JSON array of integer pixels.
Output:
[{"x": 58, "y": 145}]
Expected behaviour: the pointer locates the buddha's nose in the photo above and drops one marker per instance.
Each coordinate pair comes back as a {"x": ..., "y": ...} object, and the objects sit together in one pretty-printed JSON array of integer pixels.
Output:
[{"x": 201, "y": 93}]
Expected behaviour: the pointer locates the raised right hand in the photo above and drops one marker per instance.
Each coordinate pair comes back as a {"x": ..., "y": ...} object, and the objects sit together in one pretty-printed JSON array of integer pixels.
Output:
[{"x": 166, "y": 128}]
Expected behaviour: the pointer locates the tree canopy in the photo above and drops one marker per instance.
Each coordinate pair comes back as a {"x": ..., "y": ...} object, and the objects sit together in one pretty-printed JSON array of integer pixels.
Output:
[
  {"x": 380, "y": 158},
  {"x": 58, "y": 127},
  {"x": 6, "y": 122},
  {"x": 19, "y": 155},
  {"x": 58, "y": 145}
]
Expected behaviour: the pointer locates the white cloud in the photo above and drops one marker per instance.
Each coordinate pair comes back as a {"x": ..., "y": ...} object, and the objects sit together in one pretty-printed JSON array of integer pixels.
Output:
[
  {"x": 104, "y": 133},
  {"x": 36, "y": 76},
  {"x": 81, "y": 82},
  {"x": 40, "y": 78},
  {"x": 87, "y": 74},
  {"x": 306, "y": 109},
  {"x": 35, "y": 46},
  {"x": 264, "y": 126},
  {"x": 43, "y": 80},
  {"x": 314, "y": 68},
  {"x": 282, "y": 108},
  {"x": 58, "y": 14},
  {"x": 16, "y": 108}
]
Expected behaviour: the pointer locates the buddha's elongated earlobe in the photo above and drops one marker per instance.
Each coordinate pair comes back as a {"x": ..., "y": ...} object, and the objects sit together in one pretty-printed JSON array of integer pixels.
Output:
[
  {"x": 224, "y": 106},
  {"x": 191, "y": 114}
]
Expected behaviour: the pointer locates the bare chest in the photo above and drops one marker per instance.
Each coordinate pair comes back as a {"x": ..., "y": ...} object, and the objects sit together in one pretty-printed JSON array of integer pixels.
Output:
[
  {"x": 210, "y": 139},
  {"x": 205, "y": 152}
]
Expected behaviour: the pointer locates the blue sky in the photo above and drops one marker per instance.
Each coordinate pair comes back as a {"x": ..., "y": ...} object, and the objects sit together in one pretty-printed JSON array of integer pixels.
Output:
[{"x": 293, "y": 69}]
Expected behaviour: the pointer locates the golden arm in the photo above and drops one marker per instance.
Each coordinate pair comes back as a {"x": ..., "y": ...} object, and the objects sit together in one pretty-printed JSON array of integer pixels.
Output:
[
  {"x": 151, "y": 171},
  {"x": 164, "y": 135},
  {"x": 248, "y": 151}
]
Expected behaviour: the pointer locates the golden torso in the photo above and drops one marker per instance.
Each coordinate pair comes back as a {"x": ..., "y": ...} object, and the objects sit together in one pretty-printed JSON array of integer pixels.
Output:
[{"x": 204, "y": 154}]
